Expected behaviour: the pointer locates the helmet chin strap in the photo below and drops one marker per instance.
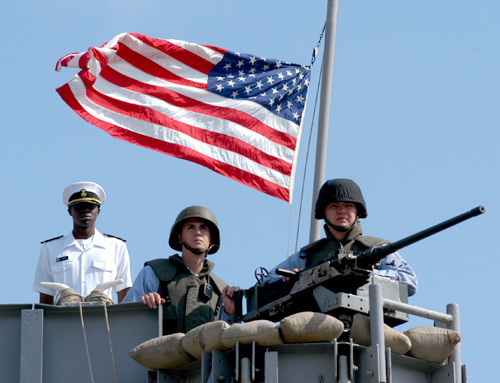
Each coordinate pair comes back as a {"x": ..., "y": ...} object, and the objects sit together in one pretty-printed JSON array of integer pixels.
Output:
[
  {"x": 193, "y": 250},
  {"x": 340, "y": 229}
]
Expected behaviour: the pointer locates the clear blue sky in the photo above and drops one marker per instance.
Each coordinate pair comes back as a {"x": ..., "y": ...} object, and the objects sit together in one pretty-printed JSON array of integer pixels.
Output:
[{"x": 414, "y": 120}]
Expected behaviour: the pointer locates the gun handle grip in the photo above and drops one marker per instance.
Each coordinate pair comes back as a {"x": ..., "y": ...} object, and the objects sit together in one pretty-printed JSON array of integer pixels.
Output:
[
  {"x": 238, "y": 304},
  {"x": 286, "y": 273}
]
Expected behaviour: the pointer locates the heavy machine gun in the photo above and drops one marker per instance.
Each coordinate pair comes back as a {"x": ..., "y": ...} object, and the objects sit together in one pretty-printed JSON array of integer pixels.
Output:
[{"x": 343, "y": 273}]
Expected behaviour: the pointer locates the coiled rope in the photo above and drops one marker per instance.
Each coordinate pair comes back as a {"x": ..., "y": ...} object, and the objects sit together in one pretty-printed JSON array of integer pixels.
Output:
[
  {"x": 98, "y": 296},
  {"x": 68, "y": 296}
]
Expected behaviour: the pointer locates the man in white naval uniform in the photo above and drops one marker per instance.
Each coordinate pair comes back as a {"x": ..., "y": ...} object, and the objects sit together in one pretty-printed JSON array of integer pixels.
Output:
[{"x": 83, "y": 258}]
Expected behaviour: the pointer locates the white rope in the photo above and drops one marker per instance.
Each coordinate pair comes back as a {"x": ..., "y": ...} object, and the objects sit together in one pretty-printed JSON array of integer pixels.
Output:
[
  {"x": 98, "y": 296},
  {"x": 110, "y": 345},
  {"x": 68, "y": 296},
  {"x": 86, "y": 344}
]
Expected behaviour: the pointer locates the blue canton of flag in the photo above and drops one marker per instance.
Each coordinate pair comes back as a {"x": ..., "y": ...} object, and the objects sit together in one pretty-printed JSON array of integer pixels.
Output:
[{"x": 279, "y": 87}]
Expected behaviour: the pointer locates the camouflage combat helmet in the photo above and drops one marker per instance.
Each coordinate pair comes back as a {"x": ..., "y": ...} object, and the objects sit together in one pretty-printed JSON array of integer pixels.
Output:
[
  {"x": 340, "y": 190},
  {"x": 195, "y": 212}
]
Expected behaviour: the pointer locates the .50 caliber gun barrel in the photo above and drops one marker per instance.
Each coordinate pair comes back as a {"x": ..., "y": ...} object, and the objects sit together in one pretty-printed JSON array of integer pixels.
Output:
[{"x": 371, "y": 256}]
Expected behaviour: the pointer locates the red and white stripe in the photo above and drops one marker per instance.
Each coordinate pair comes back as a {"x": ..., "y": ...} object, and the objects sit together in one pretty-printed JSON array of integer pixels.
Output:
[{"x": 153, "y": 93}]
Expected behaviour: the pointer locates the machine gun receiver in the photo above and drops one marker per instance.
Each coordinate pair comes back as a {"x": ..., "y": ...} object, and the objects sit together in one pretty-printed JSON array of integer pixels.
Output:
[{"x": 344, "y": 273}]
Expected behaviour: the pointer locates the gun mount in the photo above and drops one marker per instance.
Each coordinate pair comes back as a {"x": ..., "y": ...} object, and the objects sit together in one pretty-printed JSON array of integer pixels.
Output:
[{"x": 317, "y": 288}]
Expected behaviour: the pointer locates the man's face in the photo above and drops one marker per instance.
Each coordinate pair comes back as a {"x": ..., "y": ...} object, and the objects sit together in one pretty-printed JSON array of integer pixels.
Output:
[
  {"x": 196, "y": 234},
  {"x": 84, "y": 214},
  {"x": 341, "y": 214}
]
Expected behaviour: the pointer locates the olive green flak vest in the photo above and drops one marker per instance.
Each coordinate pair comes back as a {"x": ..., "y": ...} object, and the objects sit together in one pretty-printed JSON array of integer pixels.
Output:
[
  {"x": 187, "y": 305},
  {"x": 326, "y": 248}
]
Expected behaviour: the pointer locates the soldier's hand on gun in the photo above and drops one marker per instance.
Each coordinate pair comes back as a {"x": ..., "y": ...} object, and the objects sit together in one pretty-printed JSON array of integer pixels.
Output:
[
  {"x": 286, "y": 278},
  {"x": 152, "y": 300},
  {"x": 228, "y": 299}
]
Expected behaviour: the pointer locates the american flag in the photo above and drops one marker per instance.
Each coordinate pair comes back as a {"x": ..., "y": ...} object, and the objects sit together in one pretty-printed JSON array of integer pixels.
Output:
[{"x": 237, "y": 114}]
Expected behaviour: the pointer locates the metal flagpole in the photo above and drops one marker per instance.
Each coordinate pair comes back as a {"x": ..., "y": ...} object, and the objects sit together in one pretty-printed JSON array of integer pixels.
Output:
[{"x": 324, "y": 112}]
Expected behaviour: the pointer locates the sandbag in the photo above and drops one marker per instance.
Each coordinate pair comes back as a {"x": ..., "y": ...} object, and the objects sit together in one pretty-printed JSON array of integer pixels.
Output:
[
  {"x": 361, "y": 334},
  {"x": 263, "y": 332},
  {"x": 164, "y": 352},
  {"x": 308, "y": 326},
  {"x": 433, "y": 344},
  {"x": 204, "y": 338}
]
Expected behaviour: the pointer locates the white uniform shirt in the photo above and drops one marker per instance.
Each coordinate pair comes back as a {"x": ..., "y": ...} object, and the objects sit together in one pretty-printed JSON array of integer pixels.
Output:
[{"x": 63, "y": 260}]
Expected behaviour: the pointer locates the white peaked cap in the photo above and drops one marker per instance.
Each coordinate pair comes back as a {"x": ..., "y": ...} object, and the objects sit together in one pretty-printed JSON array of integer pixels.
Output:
[{"x": 84, "y": 191}]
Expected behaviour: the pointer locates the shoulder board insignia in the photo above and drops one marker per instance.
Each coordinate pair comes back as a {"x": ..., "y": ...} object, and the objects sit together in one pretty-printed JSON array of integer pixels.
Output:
[
  {"x": 114, "y": 236},
  {"x": 52, "y": 239}
]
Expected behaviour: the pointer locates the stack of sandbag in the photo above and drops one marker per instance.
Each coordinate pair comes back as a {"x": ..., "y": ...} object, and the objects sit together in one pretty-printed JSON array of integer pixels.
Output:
[
  {"x": 171, "y": 351},
  {"x": 176, "y": 350}
]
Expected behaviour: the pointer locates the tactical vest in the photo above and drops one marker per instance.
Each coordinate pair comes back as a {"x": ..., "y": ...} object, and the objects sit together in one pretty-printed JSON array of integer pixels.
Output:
[
  {"x": 328, "y": 248},
  {"x": 189, "y": 301}
]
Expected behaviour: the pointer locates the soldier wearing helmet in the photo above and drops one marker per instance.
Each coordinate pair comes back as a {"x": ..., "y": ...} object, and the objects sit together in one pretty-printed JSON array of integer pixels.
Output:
[
  {"x": 185, "y": 283},
  {"x": 341, "y": 204}
]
